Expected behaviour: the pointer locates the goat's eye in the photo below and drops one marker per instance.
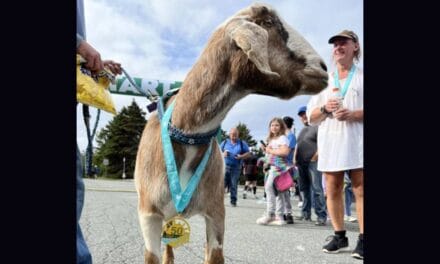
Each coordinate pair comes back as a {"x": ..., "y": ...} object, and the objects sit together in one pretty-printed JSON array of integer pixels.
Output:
[{"x": 268, "y": 23}]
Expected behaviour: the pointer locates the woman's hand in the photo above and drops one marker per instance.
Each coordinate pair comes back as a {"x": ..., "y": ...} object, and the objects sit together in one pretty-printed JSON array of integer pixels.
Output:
[
  {"x": 342, "y": 114},
  {"x": 332, "y": 104}
]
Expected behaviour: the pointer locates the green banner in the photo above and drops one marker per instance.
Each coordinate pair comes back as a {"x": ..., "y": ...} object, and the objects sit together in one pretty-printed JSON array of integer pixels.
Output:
[{"x": 156, "y": 87}]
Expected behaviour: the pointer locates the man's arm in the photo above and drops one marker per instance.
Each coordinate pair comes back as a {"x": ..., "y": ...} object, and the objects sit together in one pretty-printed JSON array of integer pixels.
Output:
[
  {"x": 244, "y": 155},
  {"x": 315, "y": 156},
  {"x": 90, "y": 54}
]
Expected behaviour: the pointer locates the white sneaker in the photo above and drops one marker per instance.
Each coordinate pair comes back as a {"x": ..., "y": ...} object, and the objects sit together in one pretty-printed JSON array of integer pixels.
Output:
[
  {"x": 265, "y": 220},
  {"x": 255, "y": 196},
  {"x": 351, "y": 219},
  {"x": 300, "y": 204},
  {"x": 279, "y": 221}
]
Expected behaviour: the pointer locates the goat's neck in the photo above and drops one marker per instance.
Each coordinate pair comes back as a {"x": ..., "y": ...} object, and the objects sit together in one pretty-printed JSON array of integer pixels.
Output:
[
  {"x": 207, "y": 94},
  {"x": 202, "y": 105}
]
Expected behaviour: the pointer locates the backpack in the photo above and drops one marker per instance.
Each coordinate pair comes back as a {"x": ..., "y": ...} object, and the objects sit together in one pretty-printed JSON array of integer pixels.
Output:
[{"x": 241, "y": 146}]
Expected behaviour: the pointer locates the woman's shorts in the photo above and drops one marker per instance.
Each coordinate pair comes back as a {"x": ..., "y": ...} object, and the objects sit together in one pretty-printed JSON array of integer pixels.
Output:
[{"x": 250, "y": 177}]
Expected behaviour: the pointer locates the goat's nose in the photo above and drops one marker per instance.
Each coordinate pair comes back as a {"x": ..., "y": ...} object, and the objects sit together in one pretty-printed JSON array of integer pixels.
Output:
[{"x": 323, "y": 66}]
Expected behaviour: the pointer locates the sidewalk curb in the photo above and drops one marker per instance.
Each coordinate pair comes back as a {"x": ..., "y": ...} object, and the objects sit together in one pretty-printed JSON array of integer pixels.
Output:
[{"x": 109, "y": 190}]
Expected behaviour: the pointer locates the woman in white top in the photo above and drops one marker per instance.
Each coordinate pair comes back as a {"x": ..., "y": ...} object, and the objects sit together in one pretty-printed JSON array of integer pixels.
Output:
[{"x": 339, "y": 114}]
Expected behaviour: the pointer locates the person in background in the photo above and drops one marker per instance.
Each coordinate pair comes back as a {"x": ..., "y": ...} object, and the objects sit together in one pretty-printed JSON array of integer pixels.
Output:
[
  {"x": 338, "y": 111},
  {"x": 234, "y": 151},
  {"x": 250, "y": 172},
  {"x": 310, "y": 179}
]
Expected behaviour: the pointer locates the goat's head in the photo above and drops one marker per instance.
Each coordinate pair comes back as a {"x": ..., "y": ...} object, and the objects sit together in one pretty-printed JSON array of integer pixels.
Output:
[{"x": 271, "y": 58}]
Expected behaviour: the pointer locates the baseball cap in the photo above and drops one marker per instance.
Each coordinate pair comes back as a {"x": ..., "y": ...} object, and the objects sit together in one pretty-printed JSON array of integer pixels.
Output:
[
  {"x": 344, "y": 34},
  {"x": 302, "y": 109}
]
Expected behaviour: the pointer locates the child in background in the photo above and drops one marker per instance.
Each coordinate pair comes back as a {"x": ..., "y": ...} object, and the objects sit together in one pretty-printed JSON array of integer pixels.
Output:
[{"x": 276, "y": 155}]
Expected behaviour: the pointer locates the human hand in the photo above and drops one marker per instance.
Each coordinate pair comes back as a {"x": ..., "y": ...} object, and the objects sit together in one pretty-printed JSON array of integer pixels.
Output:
[
  {"x": 314, "y": 157},
  {"x": 269, "y": 150},
  {"x": 342, "y": 114},
  {"x": 114, "y": 67},
  {"x": 92, "y": 56},
  {"x": 332, "y": 105}
]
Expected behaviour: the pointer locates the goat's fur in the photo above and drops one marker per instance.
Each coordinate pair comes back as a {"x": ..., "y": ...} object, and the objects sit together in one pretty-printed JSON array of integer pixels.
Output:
[{"x": 252, "y": 52}]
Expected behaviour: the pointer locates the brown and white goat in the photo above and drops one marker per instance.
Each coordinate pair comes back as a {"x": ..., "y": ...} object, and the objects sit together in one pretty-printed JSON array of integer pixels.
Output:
[{"x": 254, "y": 51}]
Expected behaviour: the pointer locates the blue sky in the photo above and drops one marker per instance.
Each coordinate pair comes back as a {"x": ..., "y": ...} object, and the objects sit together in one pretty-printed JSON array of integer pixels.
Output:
[{"x": 162, "y": 39}]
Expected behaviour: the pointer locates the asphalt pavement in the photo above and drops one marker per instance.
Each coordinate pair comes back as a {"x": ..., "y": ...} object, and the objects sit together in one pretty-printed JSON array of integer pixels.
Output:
[{"x": 110, "y": 225}]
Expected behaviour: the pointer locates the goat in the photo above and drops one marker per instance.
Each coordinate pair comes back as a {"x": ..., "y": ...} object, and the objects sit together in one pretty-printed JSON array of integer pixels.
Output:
[{"x": 254, "y": 51}]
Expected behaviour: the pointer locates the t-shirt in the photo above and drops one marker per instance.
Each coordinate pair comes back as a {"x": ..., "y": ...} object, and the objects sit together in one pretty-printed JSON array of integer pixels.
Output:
[
  {"x": 340, "y": 143},
  {"x": 233, "y": 149},
  {"x": 292, "y": 143},
  {"x": 307, "y": 144},
  {"x": 278, "y": 163}
]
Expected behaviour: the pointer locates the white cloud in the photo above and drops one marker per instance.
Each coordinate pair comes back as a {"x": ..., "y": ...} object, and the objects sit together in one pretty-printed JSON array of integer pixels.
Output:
[{"x": 161, "y": 39}]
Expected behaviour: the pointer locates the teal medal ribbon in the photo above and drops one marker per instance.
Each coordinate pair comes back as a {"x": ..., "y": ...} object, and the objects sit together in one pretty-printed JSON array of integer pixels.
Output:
[
  {"x": 180, "y": 198},
  {"x": 347, "y": 82}
]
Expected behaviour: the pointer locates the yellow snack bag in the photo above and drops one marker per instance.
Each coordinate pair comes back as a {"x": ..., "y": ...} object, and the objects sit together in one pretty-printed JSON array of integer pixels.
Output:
[{"x": 94, "y": 91}]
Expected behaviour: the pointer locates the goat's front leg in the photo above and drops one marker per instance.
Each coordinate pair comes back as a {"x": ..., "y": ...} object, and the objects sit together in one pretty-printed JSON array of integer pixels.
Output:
[
  {"x": 168, "y": 256},
  {"x": 215, "y": 229},
  {"x": 151, "y": 226}
]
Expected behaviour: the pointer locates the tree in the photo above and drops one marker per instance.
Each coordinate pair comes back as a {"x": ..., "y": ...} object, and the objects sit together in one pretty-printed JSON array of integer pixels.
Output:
[
  {"x": 119, "y": 139},
  {"x": 223, "y": 135},
  {"x": 244, "y": 134}
]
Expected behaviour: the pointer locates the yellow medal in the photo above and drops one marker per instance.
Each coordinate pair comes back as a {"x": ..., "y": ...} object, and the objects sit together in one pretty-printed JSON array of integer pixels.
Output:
[{"x": 175, "y": 232}]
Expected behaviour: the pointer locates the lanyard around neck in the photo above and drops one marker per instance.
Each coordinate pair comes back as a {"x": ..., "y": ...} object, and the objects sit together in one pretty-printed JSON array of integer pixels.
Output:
[
  {"x": 180, "y": 198},
  {"x": 347, "y": 82}
]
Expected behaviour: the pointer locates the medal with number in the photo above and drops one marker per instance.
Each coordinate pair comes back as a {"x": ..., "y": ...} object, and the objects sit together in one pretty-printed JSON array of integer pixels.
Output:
[{"x": 175, "y": 232}]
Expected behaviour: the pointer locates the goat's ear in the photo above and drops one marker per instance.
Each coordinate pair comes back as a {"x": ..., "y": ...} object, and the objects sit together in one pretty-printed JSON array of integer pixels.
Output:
[
  {"x": 253, "y": 40},
  {"x": 259, "y": 10}
]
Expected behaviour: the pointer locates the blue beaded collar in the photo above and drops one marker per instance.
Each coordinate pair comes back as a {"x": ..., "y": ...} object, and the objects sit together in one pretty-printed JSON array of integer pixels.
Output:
[
  {"x": 178, "y": 135},
  {"x": 191, "y": 139}
]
